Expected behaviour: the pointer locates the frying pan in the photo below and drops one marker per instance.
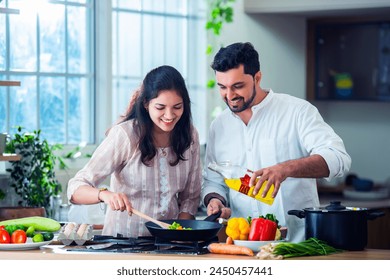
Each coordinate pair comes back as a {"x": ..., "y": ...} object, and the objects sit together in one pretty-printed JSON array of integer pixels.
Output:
[{"x": 202, "y": 230}]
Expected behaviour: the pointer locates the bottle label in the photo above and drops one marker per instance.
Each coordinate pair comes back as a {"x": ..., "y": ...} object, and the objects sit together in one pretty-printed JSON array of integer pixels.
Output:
[{"x": 244, "y": 189}]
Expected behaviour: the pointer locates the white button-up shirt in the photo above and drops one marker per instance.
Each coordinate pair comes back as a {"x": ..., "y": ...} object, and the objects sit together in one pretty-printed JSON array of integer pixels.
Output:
[{"x": 282, "y": 128}]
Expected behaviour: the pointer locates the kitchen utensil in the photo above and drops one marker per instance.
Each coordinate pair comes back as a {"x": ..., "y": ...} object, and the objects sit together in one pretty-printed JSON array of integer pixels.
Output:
[
  {"x": 201, "y": 230},
  {"x": 146, "y": 217},
  {"x": 341, "y": 227}
]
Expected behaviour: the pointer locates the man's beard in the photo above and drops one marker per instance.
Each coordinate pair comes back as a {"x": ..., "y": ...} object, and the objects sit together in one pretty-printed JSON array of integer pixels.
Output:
[{"x": 244, "y": 106}]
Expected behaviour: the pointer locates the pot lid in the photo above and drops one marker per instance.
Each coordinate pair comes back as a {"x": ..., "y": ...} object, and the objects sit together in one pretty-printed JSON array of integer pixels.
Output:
[{"x": 335, "y": 206}]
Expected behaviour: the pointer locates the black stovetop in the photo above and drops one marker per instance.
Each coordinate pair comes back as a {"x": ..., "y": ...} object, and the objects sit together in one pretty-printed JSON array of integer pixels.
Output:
[{"x": 143, "y": 244}]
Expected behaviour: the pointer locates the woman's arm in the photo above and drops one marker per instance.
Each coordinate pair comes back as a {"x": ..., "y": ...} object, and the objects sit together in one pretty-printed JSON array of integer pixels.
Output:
[{"x": 86, "y": 195}]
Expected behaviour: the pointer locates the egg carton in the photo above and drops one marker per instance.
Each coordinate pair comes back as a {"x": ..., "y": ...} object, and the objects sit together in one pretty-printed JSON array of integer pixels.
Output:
[{"x": 73, "y": 232}]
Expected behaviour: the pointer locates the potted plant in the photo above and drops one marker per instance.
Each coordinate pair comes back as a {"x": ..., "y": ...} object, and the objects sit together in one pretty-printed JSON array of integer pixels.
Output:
[{"x": 33, "y": 176}]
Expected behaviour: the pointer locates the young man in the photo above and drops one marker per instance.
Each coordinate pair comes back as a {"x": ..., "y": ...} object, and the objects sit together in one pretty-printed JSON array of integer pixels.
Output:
[{"x": 282, "y": 138}]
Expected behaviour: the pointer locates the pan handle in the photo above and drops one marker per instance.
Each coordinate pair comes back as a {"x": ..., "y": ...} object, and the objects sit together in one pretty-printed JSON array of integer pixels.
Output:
[
  {"x": 213, "y": 217},
  {"x": 299, "y": 213}
]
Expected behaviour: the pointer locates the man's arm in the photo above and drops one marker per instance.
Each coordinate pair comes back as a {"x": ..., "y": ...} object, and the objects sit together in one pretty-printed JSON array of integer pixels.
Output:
[{"x": 313, "y": 166}]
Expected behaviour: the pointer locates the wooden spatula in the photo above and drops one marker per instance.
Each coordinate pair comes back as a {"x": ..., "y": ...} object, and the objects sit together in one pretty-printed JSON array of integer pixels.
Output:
[{"x": 146, "y": 217}]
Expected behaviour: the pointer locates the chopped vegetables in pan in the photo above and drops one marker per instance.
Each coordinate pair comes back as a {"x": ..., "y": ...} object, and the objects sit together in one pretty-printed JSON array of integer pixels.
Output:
[{"x": 177, "y": 226}]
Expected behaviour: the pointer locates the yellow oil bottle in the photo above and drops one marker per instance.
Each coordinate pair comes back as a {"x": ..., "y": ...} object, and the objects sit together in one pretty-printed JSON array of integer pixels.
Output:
[
  {"x": 237, "y": 178},
  {"x": 237, "y": 185}
]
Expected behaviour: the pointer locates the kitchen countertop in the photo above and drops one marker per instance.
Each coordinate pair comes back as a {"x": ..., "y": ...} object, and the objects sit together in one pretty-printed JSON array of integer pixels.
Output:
[{"x": 57, "y": 252}]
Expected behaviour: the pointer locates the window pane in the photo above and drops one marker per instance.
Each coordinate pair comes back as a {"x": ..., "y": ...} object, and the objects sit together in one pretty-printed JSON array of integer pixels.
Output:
[
  {"x": 176, "y": 53},
  {"x": 62, "y": 28},
  {"x": 122, "y": 92},
  {"x": 78, "y": 1},
  {"x": 51, "y": 108},
  {"x": 153, "y": 41},
  {"x": 176, "y": 6},
  {"x": 23, "y": 44},
  {"x": 52, "y": 38},
  {"x": 127, "y": 4},
  {"x": 23, "y": 104},
  {"x": 77, "y": 40},
  {"x": 129, "y": 44},
  {"x": 80, "y": 111},
  {"x": 3, "y": 107},
  {"x": 153, "y": 5},
  {"x": 166, "y": 35},
  {"x": 2, "y": 42}
]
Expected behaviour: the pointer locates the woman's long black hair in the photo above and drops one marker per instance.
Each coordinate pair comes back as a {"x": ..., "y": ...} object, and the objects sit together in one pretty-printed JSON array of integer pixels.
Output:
[{"x": 159, "y": 79}]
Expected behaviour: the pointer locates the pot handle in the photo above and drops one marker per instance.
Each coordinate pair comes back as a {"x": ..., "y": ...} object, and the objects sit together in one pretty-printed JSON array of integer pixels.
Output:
[
  {"x": 299, "y": 213},
  {"x": 213, "y": 217},
  {"x": 375, "y": 214}
]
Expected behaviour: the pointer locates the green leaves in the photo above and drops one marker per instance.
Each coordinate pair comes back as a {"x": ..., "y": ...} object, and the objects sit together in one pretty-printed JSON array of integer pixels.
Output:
[
  {"x": 211, "y": 84},
  {"x": 33, "y": 176},
  {"x": 221, "y": 11}
]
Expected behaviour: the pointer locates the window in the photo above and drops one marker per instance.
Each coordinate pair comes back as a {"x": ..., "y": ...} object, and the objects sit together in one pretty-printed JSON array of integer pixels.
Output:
[
  {"x": 49, "y": 48},
  {"x": 79, "y": 61},
  {"x": 150, "y": 33}
]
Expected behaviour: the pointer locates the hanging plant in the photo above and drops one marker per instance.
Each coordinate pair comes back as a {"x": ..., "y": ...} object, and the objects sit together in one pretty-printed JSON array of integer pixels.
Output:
[{"x": 221, "y": 12}]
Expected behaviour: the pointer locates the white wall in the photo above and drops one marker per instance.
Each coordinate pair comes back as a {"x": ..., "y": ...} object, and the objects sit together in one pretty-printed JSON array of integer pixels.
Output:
[{"x": 281, "y": 42}]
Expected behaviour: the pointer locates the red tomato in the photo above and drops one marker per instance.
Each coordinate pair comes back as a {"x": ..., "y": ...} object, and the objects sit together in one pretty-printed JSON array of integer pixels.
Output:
[
  {"x": 18, "y": 236},
  {"x": 2, "y": 227},
  {"x": 4, "y": 236}
]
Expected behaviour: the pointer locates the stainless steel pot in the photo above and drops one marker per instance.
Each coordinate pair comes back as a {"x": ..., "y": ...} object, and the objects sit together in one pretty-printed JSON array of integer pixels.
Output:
[{"x": 341, "y": 227}]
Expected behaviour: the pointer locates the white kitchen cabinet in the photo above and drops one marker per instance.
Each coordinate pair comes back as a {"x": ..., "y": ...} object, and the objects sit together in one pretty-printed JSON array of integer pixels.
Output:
[{"x": 310, "y": 6}]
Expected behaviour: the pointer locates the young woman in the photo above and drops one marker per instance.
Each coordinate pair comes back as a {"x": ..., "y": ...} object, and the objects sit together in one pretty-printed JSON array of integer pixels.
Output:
[{"x": 152, "y": 155}]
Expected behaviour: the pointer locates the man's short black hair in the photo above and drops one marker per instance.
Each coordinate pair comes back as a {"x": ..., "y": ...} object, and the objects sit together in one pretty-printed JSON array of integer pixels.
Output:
[{"x": 236, "y": 54}]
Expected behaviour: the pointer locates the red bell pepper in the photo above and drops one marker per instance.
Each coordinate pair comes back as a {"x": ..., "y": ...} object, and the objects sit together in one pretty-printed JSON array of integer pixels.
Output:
[
  {"x": 256, "y": 226},
  {"x": 268, "y": 230},
  {"x": 262, "y": 230}
]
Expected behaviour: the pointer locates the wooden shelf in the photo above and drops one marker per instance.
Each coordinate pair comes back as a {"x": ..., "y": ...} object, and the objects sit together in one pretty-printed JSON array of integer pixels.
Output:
[
  {"x": 9, "y": 11},
  {"x": 10, "y": 83},
  {"x": 9, "y": 157}
]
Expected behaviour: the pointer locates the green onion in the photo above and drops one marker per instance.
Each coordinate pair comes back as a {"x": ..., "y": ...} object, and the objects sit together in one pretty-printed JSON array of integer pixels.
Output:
[{"x": 309, "y": 247}]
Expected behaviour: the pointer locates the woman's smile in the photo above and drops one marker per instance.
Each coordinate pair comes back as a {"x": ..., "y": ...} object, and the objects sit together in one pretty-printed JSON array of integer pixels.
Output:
[{"x": 166, "y": 110}]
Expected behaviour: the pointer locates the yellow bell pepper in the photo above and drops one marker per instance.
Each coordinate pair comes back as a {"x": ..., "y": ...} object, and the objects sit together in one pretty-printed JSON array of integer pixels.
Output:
[{"x": 238, "y": 228}]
